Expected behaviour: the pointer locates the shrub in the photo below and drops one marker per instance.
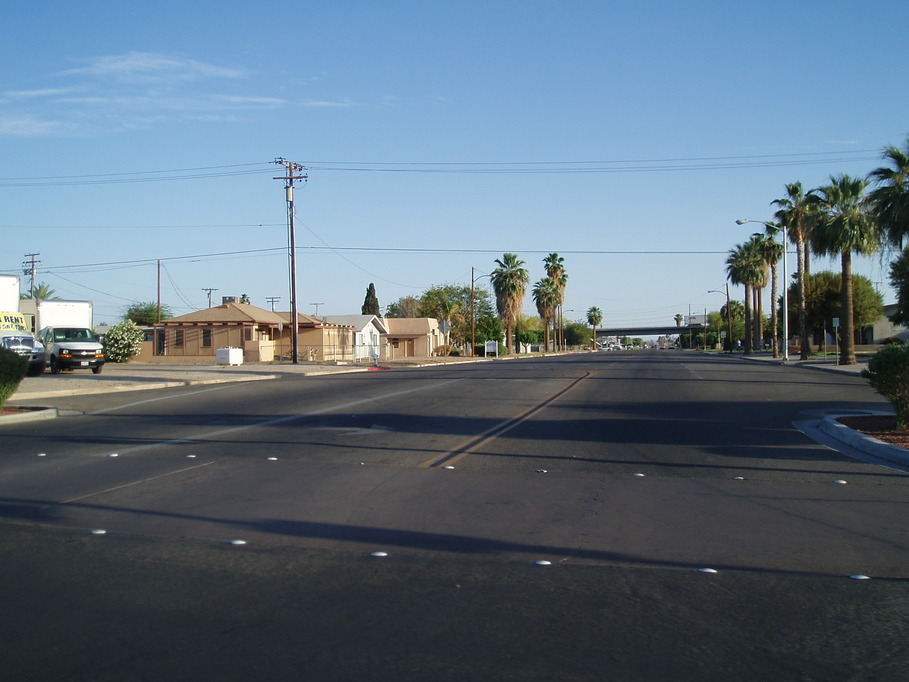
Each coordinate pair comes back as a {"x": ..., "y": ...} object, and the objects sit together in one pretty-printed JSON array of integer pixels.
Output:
[
  {"x": 122, "y": 341},
  {"x": 12, "y": 369},
  {"x": 888, "y": 373}
]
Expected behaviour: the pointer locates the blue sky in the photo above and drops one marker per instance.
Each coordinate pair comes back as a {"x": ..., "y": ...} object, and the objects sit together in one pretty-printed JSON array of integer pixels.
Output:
[{"x": 627, "y": 137}]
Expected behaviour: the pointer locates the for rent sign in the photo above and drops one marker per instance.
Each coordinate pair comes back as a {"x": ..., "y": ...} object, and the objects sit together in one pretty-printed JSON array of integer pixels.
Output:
[{"x": 13, "y": 322}]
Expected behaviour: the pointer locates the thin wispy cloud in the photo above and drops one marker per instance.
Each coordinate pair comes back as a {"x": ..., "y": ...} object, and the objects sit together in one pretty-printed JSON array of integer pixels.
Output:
[
  {"x": 145, "y": 66},
  {"x": 106, "y": 93}
]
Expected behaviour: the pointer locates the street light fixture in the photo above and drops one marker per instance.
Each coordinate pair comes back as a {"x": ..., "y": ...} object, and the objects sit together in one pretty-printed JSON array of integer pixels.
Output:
[
  {"x": 728, "y": 314},
  {"x": 776, "y": 228}
]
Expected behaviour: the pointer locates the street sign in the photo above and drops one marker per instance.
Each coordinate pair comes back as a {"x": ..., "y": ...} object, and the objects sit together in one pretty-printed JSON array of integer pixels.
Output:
[{"x": 836, "y": 322}]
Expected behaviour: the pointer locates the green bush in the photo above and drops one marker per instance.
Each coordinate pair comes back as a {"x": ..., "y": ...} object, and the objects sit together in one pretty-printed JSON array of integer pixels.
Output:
[
  {"x": 12, "y": 369},
  {"x": 888, "y": 373},
  {"x": 121, "y": 343}
]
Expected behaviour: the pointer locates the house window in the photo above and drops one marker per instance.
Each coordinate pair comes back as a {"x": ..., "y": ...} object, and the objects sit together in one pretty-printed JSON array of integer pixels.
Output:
[
  {"x": 178, "y": 338},
  {"x": 206, "y": 338}
]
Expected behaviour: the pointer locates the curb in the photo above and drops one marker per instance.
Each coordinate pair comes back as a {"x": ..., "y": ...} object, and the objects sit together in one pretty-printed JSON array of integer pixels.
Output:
[{"x": 862, "y": 442}]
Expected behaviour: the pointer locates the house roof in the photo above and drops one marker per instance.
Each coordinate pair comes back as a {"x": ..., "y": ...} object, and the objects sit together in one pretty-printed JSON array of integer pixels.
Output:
[
  {"x": 411, "y": 326},
  {"x": 360, "y": 322},
  {"x": 236, "y": 313}
]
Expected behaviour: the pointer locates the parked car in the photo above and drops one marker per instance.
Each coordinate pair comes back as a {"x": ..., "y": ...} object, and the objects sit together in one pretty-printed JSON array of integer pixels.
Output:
[{"x": 72, "y": 348}]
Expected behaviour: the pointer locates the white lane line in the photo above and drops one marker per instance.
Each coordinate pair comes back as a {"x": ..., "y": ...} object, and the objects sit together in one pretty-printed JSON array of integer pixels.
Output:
[{"x": 283, "y": 420}]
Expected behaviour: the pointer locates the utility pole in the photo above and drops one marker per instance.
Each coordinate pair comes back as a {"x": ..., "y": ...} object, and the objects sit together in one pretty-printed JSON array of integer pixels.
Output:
[
  {"x": 272, "y": 300},
  {"x": 289, "y": 179},
  {"x": 208, "y": 291},
  {"x": 30, "y": 269}
]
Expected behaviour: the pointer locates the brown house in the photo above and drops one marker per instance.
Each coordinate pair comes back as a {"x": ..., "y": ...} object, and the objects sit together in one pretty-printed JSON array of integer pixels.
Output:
[
  {"x": 410, "y": 337},
  {"x": 262, "y": 334}
]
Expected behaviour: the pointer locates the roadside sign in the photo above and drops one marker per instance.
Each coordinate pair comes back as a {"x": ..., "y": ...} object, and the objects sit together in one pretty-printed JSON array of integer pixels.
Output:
[{"x": 836, "y": 322}]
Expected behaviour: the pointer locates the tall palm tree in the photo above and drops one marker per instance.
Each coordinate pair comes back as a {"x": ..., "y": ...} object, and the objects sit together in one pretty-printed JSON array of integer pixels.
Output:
[
  {"x": 890, "y": 199},
  {"x": 794, "y": 212},
  {"x": 890, "y": 205},
  {"x": 761, "y": 274},
  {"x": 594, "y": 318},
  {"x": 509, "y": 282},
  {"x": 742, "y": 268},
  {"x": 555, "y": 270},
  {"x": 546, "y": 297},
  {"x": 771, "y": 251},
  {"x": 845, "y": 226}
]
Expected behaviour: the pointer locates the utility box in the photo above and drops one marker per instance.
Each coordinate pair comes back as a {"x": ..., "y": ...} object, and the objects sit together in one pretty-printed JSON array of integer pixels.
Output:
[{"x": 229, "y": 356}]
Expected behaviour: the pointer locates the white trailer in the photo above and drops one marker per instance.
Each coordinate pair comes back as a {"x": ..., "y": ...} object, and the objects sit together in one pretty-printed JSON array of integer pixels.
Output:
[
  {"x": 52, "y": 313},
  {"x": 9, "y": 292}
]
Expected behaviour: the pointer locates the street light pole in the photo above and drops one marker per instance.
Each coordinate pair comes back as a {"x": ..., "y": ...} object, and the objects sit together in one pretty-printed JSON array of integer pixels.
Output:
[
  {"x": 777, "y": 228},
  {"x": 473, "y": 335},
  {"x": 728, "y": 315}
]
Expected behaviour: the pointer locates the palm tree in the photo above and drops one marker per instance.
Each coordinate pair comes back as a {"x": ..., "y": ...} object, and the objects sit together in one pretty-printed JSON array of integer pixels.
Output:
[
  {"x": 794, "y": 212},
  {"x": 845, "y": 226},
  {"x": 890, "y": 205},
  {"x": 509, "y": 282},
  {"x": 594, "y": 318},
  {"x": 890, "y": 199},
  {"x": 447, "y": 311},
  {"x": 555, "y": 270},
  {"x": 41, "y": 292},
  {"x": 546, "y": 297},
  {"x": 771, "y": 251},
  {"x": 742, "y": 268}
]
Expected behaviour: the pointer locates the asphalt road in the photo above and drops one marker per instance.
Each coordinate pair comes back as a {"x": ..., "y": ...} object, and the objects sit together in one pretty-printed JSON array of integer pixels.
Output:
[{"x": 629, "y": 473}]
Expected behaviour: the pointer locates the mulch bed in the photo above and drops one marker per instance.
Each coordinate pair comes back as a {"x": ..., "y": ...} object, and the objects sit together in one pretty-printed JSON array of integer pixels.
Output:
[{"x": 882, "y": 427}]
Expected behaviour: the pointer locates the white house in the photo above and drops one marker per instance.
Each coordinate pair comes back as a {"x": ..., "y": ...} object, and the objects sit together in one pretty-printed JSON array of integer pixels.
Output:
[{"x": 368, "y": 334}]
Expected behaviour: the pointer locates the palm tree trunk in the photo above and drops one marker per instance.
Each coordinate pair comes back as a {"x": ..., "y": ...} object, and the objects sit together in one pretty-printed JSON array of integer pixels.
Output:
[
  {"x": 801, "y": 250},
  {"x": 748, "y": 328},
  {"x": 847, "y": 321},
  {"x": 757, "y": 318}
]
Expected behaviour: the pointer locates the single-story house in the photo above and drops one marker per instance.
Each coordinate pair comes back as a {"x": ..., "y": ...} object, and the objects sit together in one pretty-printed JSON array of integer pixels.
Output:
[
  {"x": 885, "y": 329},
  {"x": 410, "y": 337},
  {"x": 262, "y": 334},
  {"x": 368, "y": 335}
]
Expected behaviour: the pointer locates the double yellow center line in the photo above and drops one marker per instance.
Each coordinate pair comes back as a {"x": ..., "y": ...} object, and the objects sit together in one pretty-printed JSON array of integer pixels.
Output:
[{"x": 470, "y": 446}]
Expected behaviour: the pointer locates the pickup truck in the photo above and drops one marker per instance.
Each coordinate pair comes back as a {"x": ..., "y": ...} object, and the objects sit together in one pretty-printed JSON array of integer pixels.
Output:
[{"x": 25, "y": 344}]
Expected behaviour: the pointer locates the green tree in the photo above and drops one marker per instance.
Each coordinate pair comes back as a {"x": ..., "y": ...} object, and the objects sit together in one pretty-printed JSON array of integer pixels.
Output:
[
  {"x": 795, "y": 213},
  {"x": 406, "y": 306},
  {"x": 145, "y": 314},
  {"x": 823, "y": 301},
  {"x": 743, "y": 267},
  {"x": 434, "y": 301},
  {"x": 736, "y": 311},
  {"x": 555, "y": 270},
  {"x": 577, "y": 333},
  {"x": 244, "y": 298},
  {"x": 13, "y": 368},
  {"x": 845, "y": 226},
  {"x": 679, "y": 318},
  {"x": 546, "y": 296},
  {"x": 121, "y": 343},
  {"x": 42, "y": 292},
  {"x": 770, "y": 252},
  {"x": 899, "y": 279},
  {"x": 889, "y": 201},
  {"x": 509, "y": 281},
  {"x": 594, "y": 318},
  {"x": 371, "y": 302}
]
